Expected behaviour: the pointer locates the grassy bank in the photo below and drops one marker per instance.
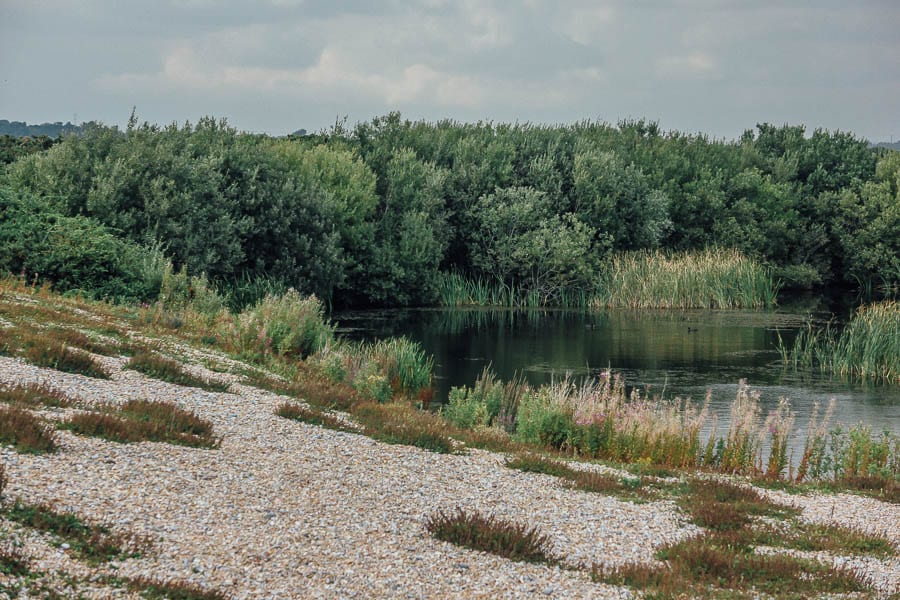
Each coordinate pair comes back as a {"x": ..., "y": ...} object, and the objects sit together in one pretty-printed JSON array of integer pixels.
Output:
[{"x": 867, "y": 348}]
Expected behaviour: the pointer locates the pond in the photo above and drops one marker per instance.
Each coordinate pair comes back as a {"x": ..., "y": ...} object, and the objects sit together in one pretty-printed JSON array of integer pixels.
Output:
[{"x": 668, "y": 353}]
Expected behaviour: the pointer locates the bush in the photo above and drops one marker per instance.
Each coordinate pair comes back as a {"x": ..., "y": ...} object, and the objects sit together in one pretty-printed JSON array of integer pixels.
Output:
[
  {"x": 71, "y": 253},
  {"x": 289, "y": 325}
]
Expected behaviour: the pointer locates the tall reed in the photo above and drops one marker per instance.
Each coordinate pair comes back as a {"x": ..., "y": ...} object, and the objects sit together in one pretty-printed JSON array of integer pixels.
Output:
[
  {"x": 867, "y": 348},
  {"x": 712, "y": 278}
]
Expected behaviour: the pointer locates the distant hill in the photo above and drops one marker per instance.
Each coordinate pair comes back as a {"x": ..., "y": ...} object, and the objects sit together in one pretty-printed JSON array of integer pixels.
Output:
[
  {"x": 894, "y": 146},
  {"x": 23, "y": 129}
]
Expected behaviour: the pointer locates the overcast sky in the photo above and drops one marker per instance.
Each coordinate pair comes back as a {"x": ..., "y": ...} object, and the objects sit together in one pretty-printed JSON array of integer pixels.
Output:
[{"x": 712, "y": 66}]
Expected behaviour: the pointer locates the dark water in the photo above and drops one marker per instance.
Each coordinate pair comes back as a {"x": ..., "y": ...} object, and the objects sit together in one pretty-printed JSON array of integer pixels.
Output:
[{"x": 671, "y": 353}]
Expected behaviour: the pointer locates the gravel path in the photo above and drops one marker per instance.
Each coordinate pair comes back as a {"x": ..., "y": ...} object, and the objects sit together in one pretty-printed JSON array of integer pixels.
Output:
[{"x": 287, "y": 510}]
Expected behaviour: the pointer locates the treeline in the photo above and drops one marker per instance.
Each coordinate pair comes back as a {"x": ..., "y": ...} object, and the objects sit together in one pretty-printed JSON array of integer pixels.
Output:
[
  {"x": 380, "y": 213},
  {"x": 22, "y": 129}
]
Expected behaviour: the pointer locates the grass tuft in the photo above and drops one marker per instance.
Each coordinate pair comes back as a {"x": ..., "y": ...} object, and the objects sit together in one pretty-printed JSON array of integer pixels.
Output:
[
  {"x": 34, "y": 395},
  {"x": 312, "y": 416},
  {"x": 13, "y": 563},
  {"x": 586, "y": 481},
  {"x": 725, "y": 506},
  {"x": 26, "y": 432},
  {"x": 145, "y": 420},
  {"x": 158, "y": 367},
  {"x": 154, "y": 589},
  {"x": 490, "y": 534},
  {"x": 91, "y": 542},
  {"x": 396, "y": 423}
]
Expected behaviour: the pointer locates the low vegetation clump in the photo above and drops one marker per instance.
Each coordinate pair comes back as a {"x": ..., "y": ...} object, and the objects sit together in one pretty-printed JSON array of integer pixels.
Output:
[
  {"x": 868, "y": 348},
  {"x": 712, "y": 278},
  {"x": 91, "y": 542},
  {"x": 144, "y": 420},
  {"x": 396, "y": 423},
  {"x": 813, "y": 537},
  {"x": 584, "y": 480},
  {"x": 713, "y": 567},
  {"x": 491, "y": 534},
  {"x": 723, "y": 561},
  {"x": 290, "y": 410},
  {"x": 154, "y": 589},
  {"x": 288, "y": 326},
  {"x": 31, "y": 344},
  {"x": 33, "y": 395},
  {"x": 13, "y": 564},
  {"x": 159, "y": 367},
  {"x": 24, "y": 431},
  {"x": 381, "y": 370}
]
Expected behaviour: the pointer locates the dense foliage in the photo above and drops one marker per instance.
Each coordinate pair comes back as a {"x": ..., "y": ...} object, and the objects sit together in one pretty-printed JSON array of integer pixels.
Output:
[{"x": 375, "y": 214}]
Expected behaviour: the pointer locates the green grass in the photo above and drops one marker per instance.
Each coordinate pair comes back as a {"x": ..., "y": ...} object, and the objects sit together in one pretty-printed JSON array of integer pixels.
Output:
[
  {"x": 144, "y": 420},
  {"x": 90, "y": 542},
  {"x": 27, "y": 433},
  {"x": 490, "y": 534},
  {"x": 158, "y": 367},
  {"x": 714, "y": 278}
]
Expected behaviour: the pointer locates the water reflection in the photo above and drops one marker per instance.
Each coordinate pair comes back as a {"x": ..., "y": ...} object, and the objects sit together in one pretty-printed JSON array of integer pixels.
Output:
[{"x": 673, "y": 353}]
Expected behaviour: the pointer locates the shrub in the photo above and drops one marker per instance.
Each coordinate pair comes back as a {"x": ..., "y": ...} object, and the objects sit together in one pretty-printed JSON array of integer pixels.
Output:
[
  {"x": 27, "y": 433},
  {"x": 69, "y": 252},
  {"x": 288, "y": 325},
  {"x": 490, "y": 534}
]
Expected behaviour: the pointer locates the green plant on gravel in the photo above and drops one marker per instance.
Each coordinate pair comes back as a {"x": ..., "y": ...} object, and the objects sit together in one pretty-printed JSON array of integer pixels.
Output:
[
  {"x": 39, "y": 349},
  {"x": 33, "y": 395},
  {"x": 144, "y": 420},
  {"x": 26, "y": 432},
  {"x": 397, "y": 423},
  {"x": 159, "y": 367},
  {"x": 91, "y": 542},
  {"x": 289, "y": 410},
  {"x": 582, "y": 479},
  {"x": 491, "y": 534},
  {"x": 155, "y": 589}
]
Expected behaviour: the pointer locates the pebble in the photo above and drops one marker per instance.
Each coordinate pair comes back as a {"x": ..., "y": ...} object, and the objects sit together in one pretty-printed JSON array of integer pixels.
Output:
[{"x": 287, "y": 510}]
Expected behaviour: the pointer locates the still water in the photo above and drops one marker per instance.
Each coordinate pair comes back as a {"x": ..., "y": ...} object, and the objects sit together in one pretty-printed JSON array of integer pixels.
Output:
[{"x": 668, "y": 353}]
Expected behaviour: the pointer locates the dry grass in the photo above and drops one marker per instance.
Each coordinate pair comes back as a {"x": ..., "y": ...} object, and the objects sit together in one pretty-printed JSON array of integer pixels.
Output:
[
  {"x": 34, "y": 395},
  {"x": 26, "y": 432},
  {"x": 490, "y": 534},
  {"x": 812, "y": 537},
  {"x": 725, "y": 506},
  {"x": 158, "y": 367},
  {"x": 145, "y": 420}
]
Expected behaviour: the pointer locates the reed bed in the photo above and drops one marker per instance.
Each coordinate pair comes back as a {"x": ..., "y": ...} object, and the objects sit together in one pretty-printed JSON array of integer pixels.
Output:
[
  {"x": 712, "y": 278},
  {"x": 868, "y": 348}
]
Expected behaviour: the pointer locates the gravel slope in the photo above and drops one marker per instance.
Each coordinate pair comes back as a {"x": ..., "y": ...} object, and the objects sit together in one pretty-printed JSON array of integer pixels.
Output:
[{"x": 287, "y": 510}]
